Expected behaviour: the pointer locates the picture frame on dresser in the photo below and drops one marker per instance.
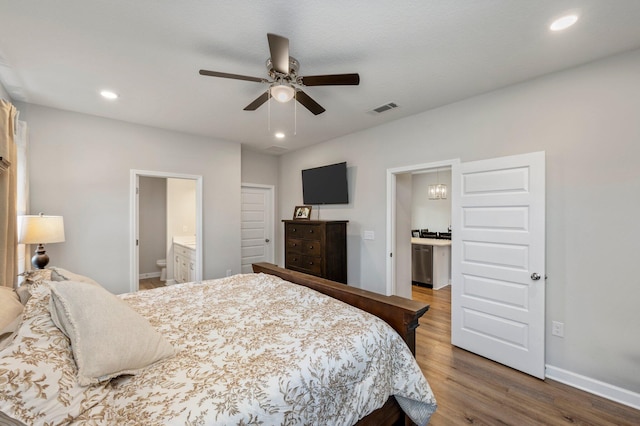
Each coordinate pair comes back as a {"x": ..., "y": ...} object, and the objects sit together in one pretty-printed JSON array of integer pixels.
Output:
[{"x": 302, "y": 213}]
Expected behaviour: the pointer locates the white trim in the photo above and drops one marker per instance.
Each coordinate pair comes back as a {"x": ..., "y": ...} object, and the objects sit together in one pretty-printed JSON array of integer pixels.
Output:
[
  {"x": 596, "y": 387},
  {"x": 391, "y": 213},
  {"x": 149, "y": 275},
  {"x": 133, "y": 223}
]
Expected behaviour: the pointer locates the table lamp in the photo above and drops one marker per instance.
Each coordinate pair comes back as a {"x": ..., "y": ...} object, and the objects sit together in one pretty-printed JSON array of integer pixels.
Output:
[{"x": 39, "y": 230}]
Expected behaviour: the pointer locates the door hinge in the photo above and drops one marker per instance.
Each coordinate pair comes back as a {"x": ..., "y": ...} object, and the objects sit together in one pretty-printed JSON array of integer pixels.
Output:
[{"x": 136, "y": 242}]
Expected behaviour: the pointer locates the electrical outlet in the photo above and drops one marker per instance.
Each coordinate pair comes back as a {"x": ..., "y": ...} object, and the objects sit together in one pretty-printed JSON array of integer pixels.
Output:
[
  {"x": 228, "y": 272},
  {"x": 557, "y": 328}
]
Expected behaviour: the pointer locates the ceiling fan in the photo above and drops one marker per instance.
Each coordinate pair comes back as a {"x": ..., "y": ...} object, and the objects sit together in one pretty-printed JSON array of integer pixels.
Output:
[{"x": 284, "y": 81}]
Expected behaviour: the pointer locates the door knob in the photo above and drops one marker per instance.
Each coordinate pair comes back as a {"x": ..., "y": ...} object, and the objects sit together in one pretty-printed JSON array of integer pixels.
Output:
[
  {"x": 535, "y": 276},
  {"x": 266, "y": 240}
]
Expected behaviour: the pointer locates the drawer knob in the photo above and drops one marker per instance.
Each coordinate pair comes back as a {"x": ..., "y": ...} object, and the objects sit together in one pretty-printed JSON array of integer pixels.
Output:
[
  {"x": 294, "y": 244},
  {"x": 311, "y": 231},
  {"x": 310, "y": 263},
  {"x": 293, "y": 229},
  {"x": 310, "y": 247}
]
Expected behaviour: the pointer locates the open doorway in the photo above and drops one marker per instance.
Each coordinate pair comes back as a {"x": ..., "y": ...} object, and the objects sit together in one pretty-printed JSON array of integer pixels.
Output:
[
  {"x": 407, "y": 212},
  {"x": 170, "y": 211}
]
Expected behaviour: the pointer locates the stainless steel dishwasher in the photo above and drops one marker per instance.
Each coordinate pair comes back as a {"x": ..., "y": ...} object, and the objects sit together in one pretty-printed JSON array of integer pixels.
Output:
[{"x": 422, "y": 264}]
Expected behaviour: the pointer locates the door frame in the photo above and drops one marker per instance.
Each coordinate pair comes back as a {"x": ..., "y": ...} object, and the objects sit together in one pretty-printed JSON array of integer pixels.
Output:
[
  {"x": 134, "y": 254},
  {"x": 391, "y": 286},
  {"x": 270, "y": 225}
]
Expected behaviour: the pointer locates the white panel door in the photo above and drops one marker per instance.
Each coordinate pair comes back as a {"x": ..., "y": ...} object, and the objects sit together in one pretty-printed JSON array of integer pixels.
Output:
[
  {"x": 498, "y": 260},
  {"x": 256, "y": 226}
]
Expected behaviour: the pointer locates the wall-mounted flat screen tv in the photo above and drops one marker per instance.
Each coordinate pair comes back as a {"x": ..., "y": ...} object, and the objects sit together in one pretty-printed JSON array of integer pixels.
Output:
[{"x": 325, "y": 185}]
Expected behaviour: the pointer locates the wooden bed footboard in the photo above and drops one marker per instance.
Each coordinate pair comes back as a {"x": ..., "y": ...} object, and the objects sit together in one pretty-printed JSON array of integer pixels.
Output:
[{"x": 400, "y": 313}]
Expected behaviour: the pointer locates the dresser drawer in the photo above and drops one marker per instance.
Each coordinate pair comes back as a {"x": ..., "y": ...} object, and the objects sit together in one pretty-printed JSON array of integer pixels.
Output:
[
  {"x": 302, "y": 230},
  {"x": 311, "y": 248},
  {"x": 311, "y": 264},
  {"x": 293, "y": 260},
  {"x": 294, "y": 245}
]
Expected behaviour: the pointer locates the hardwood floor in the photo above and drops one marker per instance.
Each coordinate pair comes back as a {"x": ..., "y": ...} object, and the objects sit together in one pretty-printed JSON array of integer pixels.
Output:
[
  {"x": 150, "y": 283},
  {"x": 471, "y": 389}
]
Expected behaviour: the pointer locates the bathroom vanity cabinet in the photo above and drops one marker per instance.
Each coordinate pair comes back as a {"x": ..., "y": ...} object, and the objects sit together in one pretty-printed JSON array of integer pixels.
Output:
[{"x": 184, "y": 263}]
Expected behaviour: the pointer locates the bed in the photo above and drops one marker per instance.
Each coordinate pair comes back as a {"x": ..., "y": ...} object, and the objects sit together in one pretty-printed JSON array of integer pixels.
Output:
[{"x": 263, "y": 348}]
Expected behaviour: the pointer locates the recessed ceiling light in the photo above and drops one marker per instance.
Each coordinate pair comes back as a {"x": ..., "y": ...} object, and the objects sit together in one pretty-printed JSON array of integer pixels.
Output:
[
  {"x": 279, "y": 135},
  {"x": 563, "y": 23},
  {"x": 109, "y": 94}
]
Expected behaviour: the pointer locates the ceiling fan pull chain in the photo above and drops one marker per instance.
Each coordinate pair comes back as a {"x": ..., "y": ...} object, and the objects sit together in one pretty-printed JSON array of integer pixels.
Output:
[
  {"x": 295, "y": 113},
  {"x": 269, "y": 111}
]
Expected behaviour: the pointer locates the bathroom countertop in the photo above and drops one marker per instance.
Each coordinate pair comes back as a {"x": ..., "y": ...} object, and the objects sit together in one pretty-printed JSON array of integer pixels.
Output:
[{"x": 186, "y": 241}]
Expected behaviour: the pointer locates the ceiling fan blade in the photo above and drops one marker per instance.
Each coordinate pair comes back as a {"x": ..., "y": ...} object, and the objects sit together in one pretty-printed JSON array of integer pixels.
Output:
[
  {"x": 233, "y": 76},
  {"x": 331, "y": 80},
  {"x": 279, "y": 49},
  {"x": 309, "y": 103},
  {"x": 258, "y": 102}
]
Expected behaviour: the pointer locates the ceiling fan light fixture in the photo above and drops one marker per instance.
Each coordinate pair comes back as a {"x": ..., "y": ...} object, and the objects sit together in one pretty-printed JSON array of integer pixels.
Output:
[{"x": 282, "y": 92}]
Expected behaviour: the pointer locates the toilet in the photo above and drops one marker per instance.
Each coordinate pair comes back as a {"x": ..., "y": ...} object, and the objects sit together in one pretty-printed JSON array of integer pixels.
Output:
[{"x": 162, "y": 263}]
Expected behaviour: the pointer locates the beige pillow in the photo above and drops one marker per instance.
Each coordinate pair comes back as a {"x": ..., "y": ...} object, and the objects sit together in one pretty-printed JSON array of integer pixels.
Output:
[
  {"x": 108, "y": 338},
  {"x": 10, "y": 306},
  {"x": 59, "y": 274}
]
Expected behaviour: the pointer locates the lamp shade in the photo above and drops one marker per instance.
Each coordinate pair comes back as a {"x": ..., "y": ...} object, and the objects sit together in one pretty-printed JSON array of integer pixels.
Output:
[
  {"x": 282, "y": 92},
  {"x": 40, "y": 229}
]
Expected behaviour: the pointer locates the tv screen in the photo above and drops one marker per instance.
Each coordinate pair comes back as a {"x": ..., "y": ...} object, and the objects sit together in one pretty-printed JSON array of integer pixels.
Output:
[{"x": 325, "y": 185}]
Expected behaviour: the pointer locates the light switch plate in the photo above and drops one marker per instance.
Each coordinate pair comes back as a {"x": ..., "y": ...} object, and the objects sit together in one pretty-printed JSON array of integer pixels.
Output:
[{"x": 369, "y": 235}]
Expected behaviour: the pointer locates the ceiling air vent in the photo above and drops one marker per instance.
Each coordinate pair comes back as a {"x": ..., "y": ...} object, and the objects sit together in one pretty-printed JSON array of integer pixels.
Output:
[
  {"x": 383, "y": 108},
  {"x": 275, "y": 149}
]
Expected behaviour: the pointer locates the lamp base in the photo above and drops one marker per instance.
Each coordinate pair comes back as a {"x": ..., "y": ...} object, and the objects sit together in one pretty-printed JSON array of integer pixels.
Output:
[{"x": 40, "y": 259}]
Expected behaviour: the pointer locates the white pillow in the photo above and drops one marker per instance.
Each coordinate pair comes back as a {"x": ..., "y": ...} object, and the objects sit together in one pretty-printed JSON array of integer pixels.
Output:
[{"x": 108, "y": 338}]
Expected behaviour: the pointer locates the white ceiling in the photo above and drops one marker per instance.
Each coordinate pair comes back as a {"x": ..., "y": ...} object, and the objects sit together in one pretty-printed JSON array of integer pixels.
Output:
[{"x": 418, "y": 54}]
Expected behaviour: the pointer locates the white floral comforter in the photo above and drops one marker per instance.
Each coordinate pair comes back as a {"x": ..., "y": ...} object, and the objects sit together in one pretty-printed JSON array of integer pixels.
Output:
[{"x": 253, "y": 349}]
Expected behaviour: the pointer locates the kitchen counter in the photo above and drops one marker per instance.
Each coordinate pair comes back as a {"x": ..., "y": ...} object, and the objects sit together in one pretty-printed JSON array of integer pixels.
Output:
[
  {"x": 431, "y": 242},
  {"x": 441, "y": 261}
]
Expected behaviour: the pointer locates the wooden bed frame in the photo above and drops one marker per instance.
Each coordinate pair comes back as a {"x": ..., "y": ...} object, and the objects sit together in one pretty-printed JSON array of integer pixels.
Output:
[{"x": 400, "y": 313}]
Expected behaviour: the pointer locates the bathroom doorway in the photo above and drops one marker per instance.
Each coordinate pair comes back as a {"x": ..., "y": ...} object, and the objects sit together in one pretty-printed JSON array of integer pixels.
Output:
[{"x": 165, "y": 207}]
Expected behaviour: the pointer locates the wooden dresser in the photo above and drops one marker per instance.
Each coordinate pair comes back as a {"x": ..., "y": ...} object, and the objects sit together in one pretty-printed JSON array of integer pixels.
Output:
[{"x": 317, "y": 247}]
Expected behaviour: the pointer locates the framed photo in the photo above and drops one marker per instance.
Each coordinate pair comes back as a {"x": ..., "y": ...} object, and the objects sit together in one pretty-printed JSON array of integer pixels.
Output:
[{"x": 302, "y": 213}]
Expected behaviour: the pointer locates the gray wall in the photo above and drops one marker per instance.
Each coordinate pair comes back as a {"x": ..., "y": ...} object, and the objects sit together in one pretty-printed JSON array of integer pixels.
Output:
[
  {"x": 586, "y": 119},
  {"x": 259, "y": 168},
  {"x": 153, "y": 223},
  {"x": 4, "y": 94},
  {"x": 432, "y": 214},
  {"x": 80, "y": 168}
]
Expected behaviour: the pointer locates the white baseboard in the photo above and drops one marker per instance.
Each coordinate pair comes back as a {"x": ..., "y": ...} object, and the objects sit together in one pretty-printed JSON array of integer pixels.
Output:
[
  {"x": 170, "y": 282},
  {"x": 596, "y": 387},
  {"x": 149, "y": 275}
]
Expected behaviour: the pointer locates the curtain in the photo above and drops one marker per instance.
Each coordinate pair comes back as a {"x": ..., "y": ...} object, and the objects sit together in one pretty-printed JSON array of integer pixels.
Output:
[
  {"x": 8, "y": 196},
  {"x": 22, "y": 205}
]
